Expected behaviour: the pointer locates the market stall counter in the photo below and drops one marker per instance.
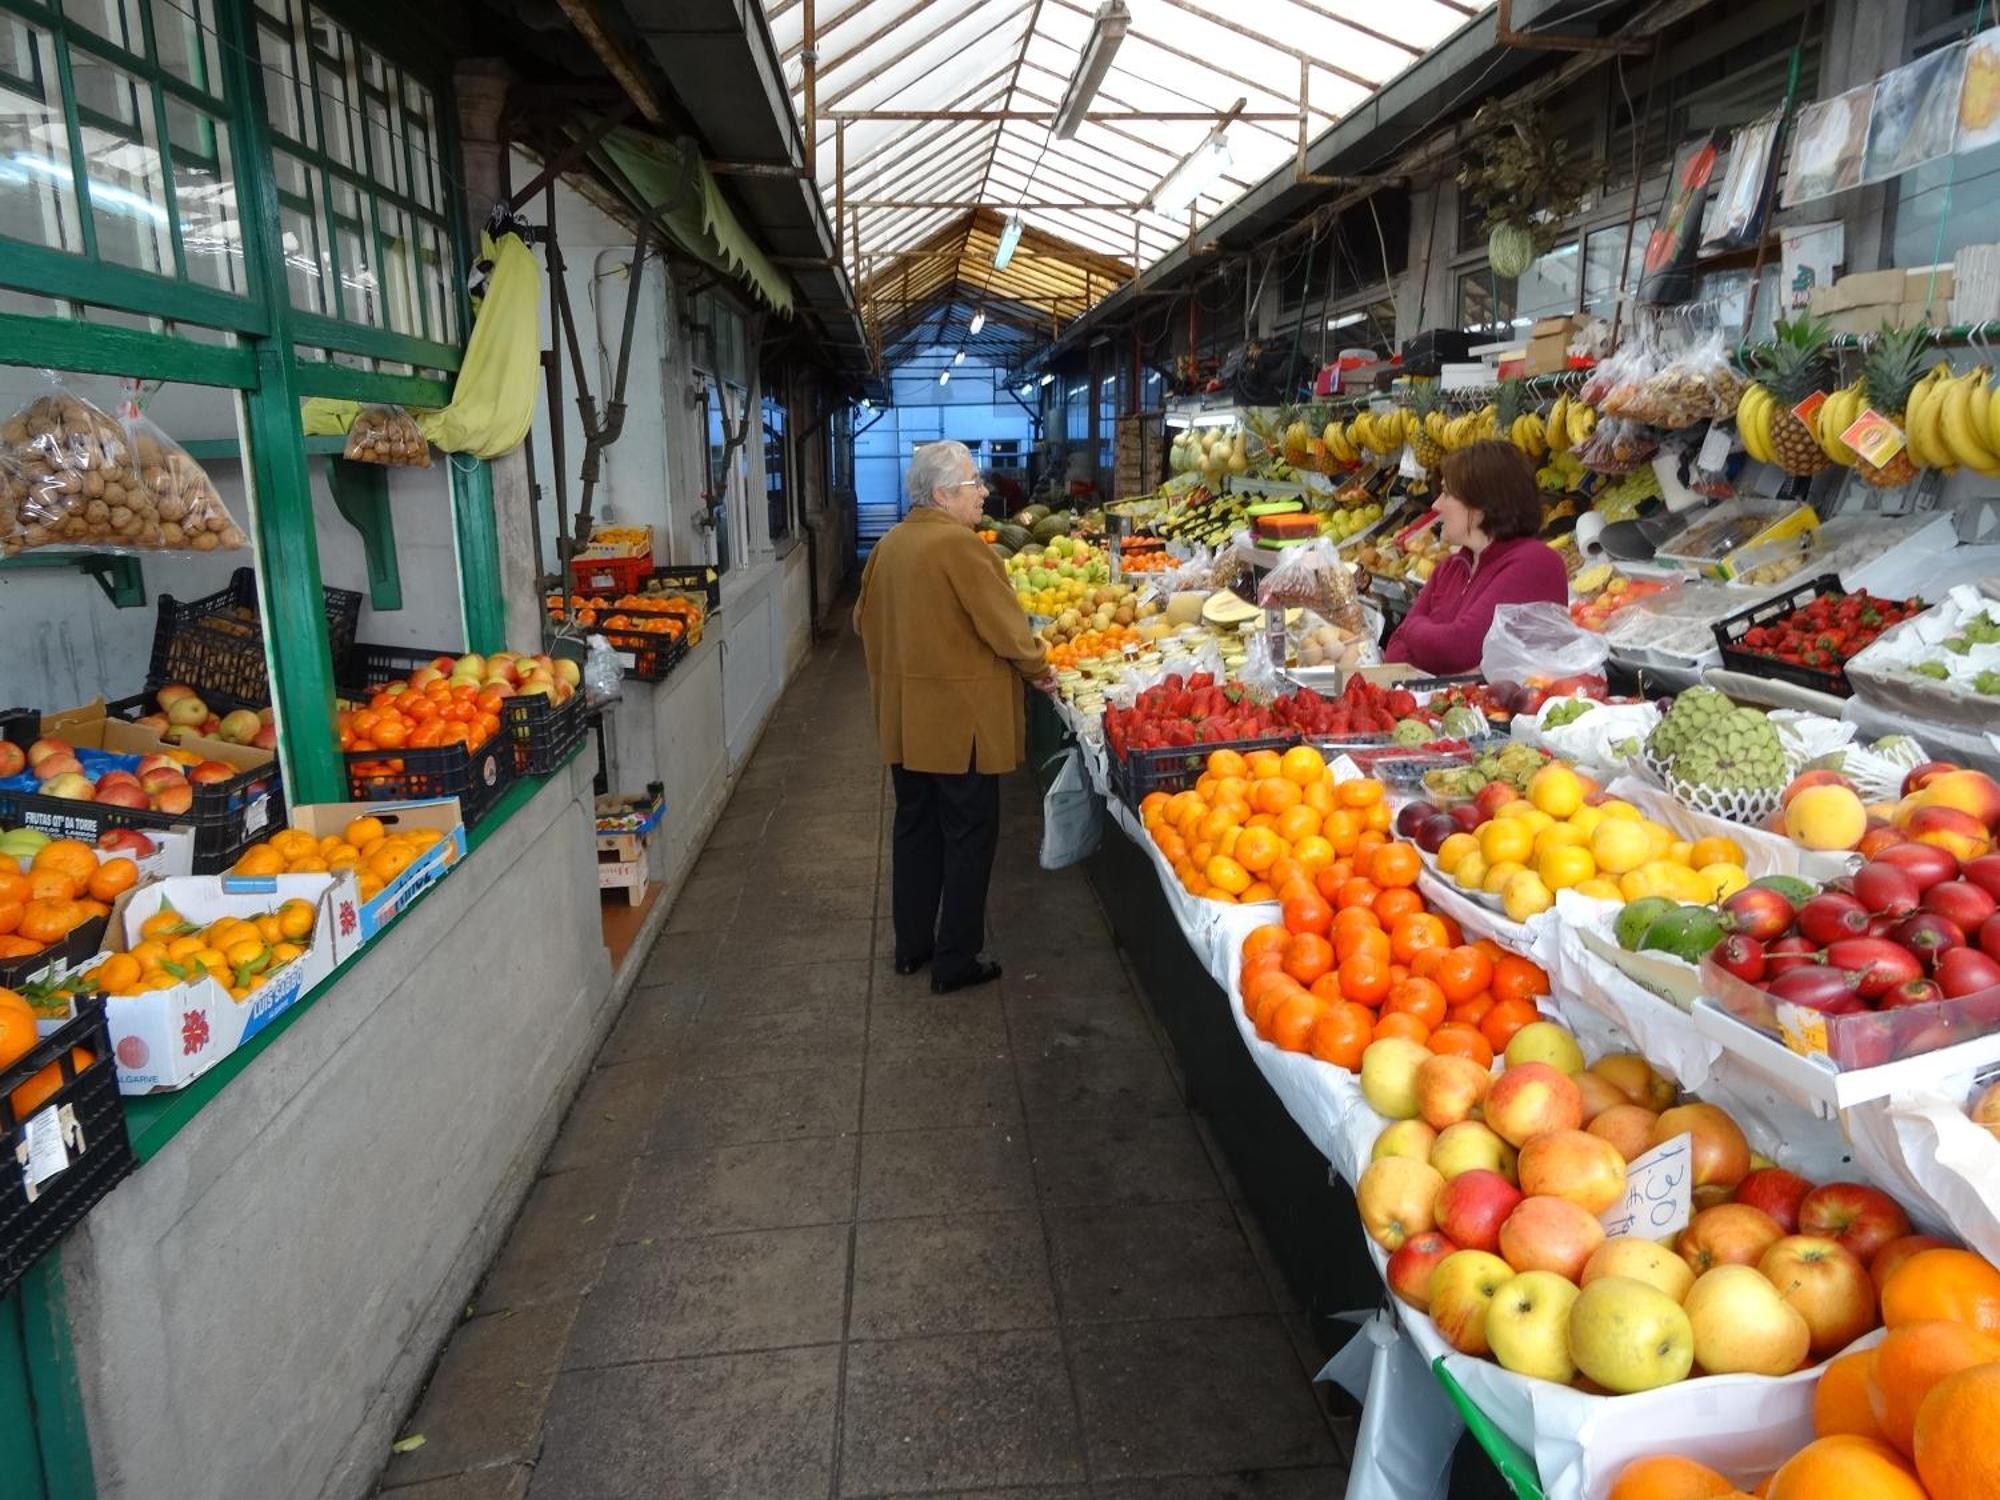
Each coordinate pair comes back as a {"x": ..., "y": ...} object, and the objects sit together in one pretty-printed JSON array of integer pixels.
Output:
[{"x": 342, "y": 1178}]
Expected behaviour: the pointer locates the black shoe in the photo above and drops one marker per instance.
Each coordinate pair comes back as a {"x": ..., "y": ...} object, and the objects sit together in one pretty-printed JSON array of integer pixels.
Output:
[
  {"x": 908, "y": 966},
  {"x": 984, "y": 971}
]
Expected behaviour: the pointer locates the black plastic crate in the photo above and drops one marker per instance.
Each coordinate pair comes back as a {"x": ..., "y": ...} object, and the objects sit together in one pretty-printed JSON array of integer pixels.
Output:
[
  {"x": 1729, "y": 634},
  {"x": 71, "y": 951},
  {"x": 646, "y": 657},
  {"x": 696, "y": 578},
  {"x": 545, "y": 732},
  {"x": 478, "y": 778},
  {"x": 1137, "y": 774},
  {"x": 92, "y": 1123},
  {"x": 370, "y": 667},
  {"x": 207, "y": 643},
  {"x": 227, "y": 816}
]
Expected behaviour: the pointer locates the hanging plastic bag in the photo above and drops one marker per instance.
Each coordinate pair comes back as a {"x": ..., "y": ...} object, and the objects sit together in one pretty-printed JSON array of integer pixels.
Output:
[
  {"x": 1618, "y": 445},
  {"x": 1744, "y": 200},
  {"x": 603, "y": 673},
  {"x": 493, "y": 399},
  {"x": 387, "y": 435},
  {"x": 67, "y": 479},
  {"x": 1072, "y": 816},
  {"x": 1539, "y": 640},
  {"x": 1314, "y": 577},
  {"x": 191, "y": 514}
]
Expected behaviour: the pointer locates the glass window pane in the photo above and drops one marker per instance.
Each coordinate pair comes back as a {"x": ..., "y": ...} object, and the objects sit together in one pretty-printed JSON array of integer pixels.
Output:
[
  {"x": 299, "y": 220},
  {"x": 1549, "y": 287},
  {"x": 1484, "y": 303},
  {"x": 291, "y": 111},
  {"x": 114, "y": 20},
  {"x": 385, "y": 149},
  {"x": 439, "y": 298},
  {"x": 205, "y": 194},
  {"x": 121, "y": 149},
  {"x": 37, "y": 202},
  {"x": 184, "y": 35},
  {"x": 334, "y": 113},
  {"x": 399, "y": 273},
  {"x": 1600, "y": 263},
  {"x": 354, "y": 244},
  {"x": 1958, "y": 191}
]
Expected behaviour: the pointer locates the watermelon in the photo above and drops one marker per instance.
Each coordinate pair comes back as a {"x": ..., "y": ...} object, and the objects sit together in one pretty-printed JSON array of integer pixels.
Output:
[
  {"x": 1049, "y": 527},
  {"x": 1012, "y": 536}
]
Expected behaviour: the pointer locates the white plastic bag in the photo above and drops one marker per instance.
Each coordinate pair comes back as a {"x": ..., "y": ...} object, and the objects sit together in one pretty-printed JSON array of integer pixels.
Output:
[
  {"x": 603, "y": 673},
  {"x": 1072, "y": 816},
  {"x": 1539, "y": 640}
]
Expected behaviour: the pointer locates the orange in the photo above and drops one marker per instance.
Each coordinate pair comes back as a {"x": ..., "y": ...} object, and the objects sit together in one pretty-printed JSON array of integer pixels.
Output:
[
  {"x": 1911, "y": 1360},
  {"x": 1150, "y": 806},
  {"x": 1395, "y": 865},
  {"x": 1296, "y": 823},
  {"x": 1215, "y": 823},
  {"x": 120, "y": 973},
  {"x": 1470, "y": 1012},
  {"x": 1292, "y": 1022},
  {"x": 1840, "y": 1401},
  {"x": 11, "y": 912},
  {"x": 1308, "y": 957},
  {"x": 1456, "y": 1039},
  {"x": 1356, "y": 892},
  {"x": 1356, "y": 939},
  {"x": 67, "y": 857},
  {"x": 50, "y": 921},
  {"x": 31, "y": 1095},
  {"x": 1396, "y": 903},
  {"x": 17, "y": 1029},
  {"x": 1341, "y": 1034},
  {"x": 1284, "y": 870},
  {"x": 1379, "y": 819},
  {"x": 292, "y": 843},
  {"x": 1416, "y": 931},
  {"x": 1955, "y": 1285},
  {"x": 1226, "y": 874},
  {"x": 1955, "y": 1451},
  {"x": 1372, "y": 838},
  {"x": 1404, "y": 1025},
  {"x": 1259, "y": 764},
  {"x": 53, "y": 885},
  {"x": 112, "y": 879},
  {"x": 1419, "y": 998},
  {"x": 1305, "y": 912},
  {"x": 1359, "y": 793},
  {"x": 1268, "y": 1001},
  {"x": 1272, "y": 937},
  {"x": 260, "y": 859},
  {"x": 1275, "y": 795},
  {"x": 1342, "y": 828},
  {"x": 1462, "y": 973},
  {"x": 1260, "y": 890},
  {"x": 1302, "y": 765},
  {"x": 1517, "y": 978},
  {"x": 1848, "y": 1468},
  {"x": 1312, "y": 854},
  {"x": 1667, "y": 1477},
  {"x": 17, "y": 947},
  {"x": 1507, "y": 1017},
  {"x": 1319, "y": 796},
  {"x": 1364, "y": 979},
  {"x": 1259, "y": 982},
  {"x": 1257, "y": 849},
  {"x": 1226, "y": 763}
]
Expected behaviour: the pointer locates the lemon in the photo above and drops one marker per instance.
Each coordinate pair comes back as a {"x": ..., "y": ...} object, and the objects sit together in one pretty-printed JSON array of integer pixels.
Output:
[
  {"x": 1724, "y": 878},
  {"x": 1505, "y": 839},
  {"x": 1562, "y": 868},
  {"x": 1556, "y": 790},
  {"x": 1526, "y": 896},
  {"x": 1619, "y": 845},
  {"x": 1499, "y": 874}
]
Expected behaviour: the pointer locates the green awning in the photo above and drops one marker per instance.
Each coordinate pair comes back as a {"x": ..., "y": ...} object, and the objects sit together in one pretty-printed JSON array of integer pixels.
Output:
[{"x": 691, "y": 209}]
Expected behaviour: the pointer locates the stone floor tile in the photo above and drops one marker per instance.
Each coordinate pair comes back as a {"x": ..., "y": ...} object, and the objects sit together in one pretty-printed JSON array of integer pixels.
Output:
[
  {"x": 1115, "y": 1082},
  {"x": 773, "y": 1185},
  {"x": 485, "y": 1402},
  {"x": 735, "y": 829},
  {"x": 971, "y": 1023},
  {"x": 612, "y": 1118},
  {"x": 726, "y": 1427},
  {"x": 759, "y": 989},
  {"x": 955, "y": 1412},
  {"x": 1156, "y": 1159},
  {"x": 1082, "y": 976},
  {"x": 681, "y": 956},
  {"x": 966, "y": 1273},
  {"x": 908, "y": 1173},
  {"x": 1316, "y": 1483},
  {"x": 500, "y": 1482},
  {"x": 725, "y": 1043},
  {"x": 741, "y": 1111},
  {"x": 557, "y": 1244},
  {"x": 1111, "y": 1019},
  {"x": 725, "y": 1294},
  {"x": 773, "y": 938},
  {"x": 1237, "y": 1399},
  {"x": 645, "y": 1027},
  {"x": 912, "y": 1093},
  {"x": 1153, "y": 1260}
]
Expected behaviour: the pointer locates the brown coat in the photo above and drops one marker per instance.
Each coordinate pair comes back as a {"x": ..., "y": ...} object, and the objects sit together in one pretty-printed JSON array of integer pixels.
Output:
[{"x": 948, "y": 648}]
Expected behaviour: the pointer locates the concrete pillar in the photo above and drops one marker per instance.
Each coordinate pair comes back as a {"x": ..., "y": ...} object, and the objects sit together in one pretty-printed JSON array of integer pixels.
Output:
[
  {"x": 1425, "y": 295},
  {"x": 480, "y": 85}
]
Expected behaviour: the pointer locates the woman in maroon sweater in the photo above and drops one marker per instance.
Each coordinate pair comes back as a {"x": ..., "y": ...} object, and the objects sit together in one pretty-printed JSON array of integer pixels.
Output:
[{"x": 1489, "y": 509}]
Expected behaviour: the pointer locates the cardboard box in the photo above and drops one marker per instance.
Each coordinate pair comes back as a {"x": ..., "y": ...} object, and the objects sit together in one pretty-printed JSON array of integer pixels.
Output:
[
  {"x": 442, "y": 815},
  {"x": 1546, "y": 356},
  {"x": 167, "y": 1039}
]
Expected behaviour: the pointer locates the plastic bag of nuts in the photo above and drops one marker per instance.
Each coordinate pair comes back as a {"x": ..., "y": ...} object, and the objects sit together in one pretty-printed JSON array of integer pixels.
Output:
[
  {"x": 191, "y": 514},
  {"x": 1314, "y": 577},
  {"x": 68, "y": 479},
  {"x": 387, "y": 435}
]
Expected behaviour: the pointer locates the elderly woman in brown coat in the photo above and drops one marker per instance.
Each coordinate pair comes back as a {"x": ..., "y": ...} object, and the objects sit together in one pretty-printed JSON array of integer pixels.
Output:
[{"x": 948, "y": 649}]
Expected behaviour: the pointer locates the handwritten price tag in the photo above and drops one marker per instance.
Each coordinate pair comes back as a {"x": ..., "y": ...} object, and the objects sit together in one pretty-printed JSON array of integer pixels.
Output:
[{"x": 1659, "y": 1193}]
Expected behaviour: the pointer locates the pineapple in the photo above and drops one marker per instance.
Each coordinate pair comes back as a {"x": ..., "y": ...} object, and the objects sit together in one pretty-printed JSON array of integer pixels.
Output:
[
  {"x": 1425, "y": 401},
  {"x": 1792, "y": 369},
  {"x": 1891, "y": 371}
]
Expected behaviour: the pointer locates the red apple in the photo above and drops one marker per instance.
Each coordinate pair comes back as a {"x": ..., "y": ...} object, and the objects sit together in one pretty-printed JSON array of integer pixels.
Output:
[
  {"x": 1550, "y": 1234},
  {"x": 1926, "y": 863},
  {"x": 172, "y": 693},
  {"x": 1530, "y": 1100},
  {"x": 1635, "y": 1078},
  {"x": 1777, "y": 1192},
  {"x": 127, "y": 841},
  {"x": 59, "y": 763},
  {"x": 1758, "y": 912},
  {"x": 1472, "y": 1206},
  {"x": 1467, "y": 816},
  {"x": 1966, "y": 971},
  {"x": 1959, "y": 834},
  {"x": 1598, "y": 1094},
  {"x": 1826, "y": 1286},
  {"x": 1449, "y": 1089},
  {"x": 1863, "y": 1219},
  {"x": 1887, "y": 1261},
  {"x": 1629, "y": 1127},
  {"x": 266, "y": 738},
  {"x": 159, "y": 778},
  {"x": 13, "y": 759},
  {"x": 1721, "y": 1153},
  {"x": 1586, "y": 1169},
  {"x": 1410, "y": 1269},
  {"x": 117, "y": 778},
  {"x": 121, "y": 796},
  {"x": 1729, "y": 1234},
  {"x": 43, "y": 748},
  {"x": 72, "y": 785},
  {"x": 175, "y": 799}
]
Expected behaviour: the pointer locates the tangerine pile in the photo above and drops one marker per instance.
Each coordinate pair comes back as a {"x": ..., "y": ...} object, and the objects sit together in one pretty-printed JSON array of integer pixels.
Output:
[
  {"x": 241, "y": 954},
  {"x": 401, "y": 715},
  {"x": 65, "y": 886},
  {"x": 17, "y": 1039},
  {"x": 1255, "y": 822},
  {"x": 1357, "y": 956},
  {"x": 1093, "y": 645},
  {"x": 366, "y": 846}
]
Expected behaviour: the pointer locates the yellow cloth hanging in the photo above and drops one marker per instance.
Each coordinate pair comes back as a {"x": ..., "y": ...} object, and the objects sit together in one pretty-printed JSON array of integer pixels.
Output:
[
  {"x": 493, "y": 399},
  {"x": 322, "y": 416}
]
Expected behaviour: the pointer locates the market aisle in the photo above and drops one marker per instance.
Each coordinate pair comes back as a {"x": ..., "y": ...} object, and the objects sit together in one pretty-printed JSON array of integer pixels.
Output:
[{"x": 812, "y": 1231}]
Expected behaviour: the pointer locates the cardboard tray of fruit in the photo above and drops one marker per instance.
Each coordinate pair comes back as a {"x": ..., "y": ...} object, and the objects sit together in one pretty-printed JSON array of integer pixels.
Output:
[{"x": 1960, "y": 638}]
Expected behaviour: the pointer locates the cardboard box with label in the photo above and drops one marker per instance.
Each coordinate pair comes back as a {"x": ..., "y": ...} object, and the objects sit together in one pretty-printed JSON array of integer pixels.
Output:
[
  {"x": 1548, "y": 345},
  {"x": 440, "y": 816}
]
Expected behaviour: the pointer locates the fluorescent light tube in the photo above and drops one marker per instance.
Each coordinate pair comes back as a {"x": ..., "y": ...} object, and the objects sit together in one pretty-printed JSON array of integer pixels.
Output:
[
  {"x": 1347, "y": 320},
  {"x": 944, "y": 377},
  {"x": 1049, "y": 378},
  {"x": 1009, "y": 238},
  {"x": 1197, "y": 172},
  {"x": 1107, "y": 30},
  {"x": 958, "y": 358},
  {"x": 978, "y": 322}
]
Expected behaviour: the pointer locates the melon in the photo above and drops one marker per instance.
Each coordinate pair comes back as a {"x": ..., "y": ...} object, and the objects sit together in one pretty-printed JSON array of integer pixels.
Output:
[
  {"x": 1510, "y": 250},
  {"x": 1184, "y": 608},
  {"x": 1048, "y": 528},
  {"x": 1011, "y": 536},
  {"x": 1030, "y": 514}
]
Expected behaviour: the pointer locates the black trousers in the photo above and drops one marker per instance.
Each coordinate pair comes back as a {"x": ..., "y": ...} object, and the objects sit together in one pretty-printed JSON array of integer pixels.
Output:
[{"x": 947, "y": 829}]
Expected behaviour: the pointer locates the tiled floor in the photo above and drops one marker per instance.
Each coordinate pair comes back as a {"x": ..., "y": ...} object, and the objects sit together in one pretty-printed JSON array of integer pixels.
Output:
[{"x": 812, "y": 1231}]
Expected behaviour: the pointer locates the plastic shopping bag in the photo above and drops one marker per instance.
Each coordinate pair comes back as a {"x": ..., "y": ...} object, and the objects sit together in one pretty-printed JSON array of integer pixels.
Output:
[
  {"x": 1072, "y": 816},
  {"x": 387, "y": 435},
  {"x": 1539, "y": 640}
]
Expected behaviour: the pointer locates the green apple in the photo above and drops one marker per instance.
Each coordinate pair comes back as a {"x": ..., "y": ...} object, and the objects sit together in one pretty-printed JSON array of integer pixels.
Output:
[
  {"x": 1545, "y": 1042},
  {"x": 1411, "y": 1138},
  {"x": 1389, "y": 1076}
]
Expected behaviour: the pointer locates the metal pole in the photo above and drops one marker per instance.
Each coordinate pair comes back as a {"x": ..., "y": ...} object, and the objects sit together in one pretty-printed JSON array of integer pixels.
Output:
[{"x": 810, "y": 39}]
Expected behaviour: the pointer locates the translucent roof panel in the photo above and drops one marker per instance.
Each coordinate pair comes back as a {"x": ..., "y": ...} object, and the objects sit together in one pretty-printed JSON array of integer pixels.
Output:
[{"x": 946, "y": 106}]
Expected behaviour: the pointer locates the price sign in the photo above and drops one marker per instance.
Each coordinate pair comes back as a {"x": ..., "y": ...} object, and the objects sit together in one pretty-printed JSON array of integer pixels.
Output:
[
  {"x": 1875, "y": 437},
  {"x": 45, "y": 1152},
  {"x": 1659, "y": 1193}
]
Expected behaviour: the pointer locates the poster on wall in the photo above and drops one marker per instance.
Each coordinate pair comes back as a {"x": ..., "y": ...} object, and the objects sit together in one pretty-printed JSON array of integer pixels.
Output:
[
  {"x": 1743, "y": 202},
  {"x": 1827, "y": 146},
  {"x": 1915, "y": 119},
  {"x": 1979, "y": 99}
]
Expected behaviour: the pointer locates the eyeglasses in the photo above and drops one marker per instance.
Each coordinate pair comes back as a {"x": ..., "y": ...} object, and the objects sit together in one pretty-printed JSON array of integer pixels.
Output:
[{"x": 966, "y": 484}]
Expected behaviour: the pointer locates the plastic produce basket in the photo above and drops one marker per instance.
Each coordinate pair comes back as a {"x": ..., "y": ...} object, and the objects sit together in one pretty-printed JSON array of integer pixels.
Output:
[
  {"x": 1137, "y": 774},
  {"x": 698, "y": 578},
  {"x": 545, "y": 732},
  {"x": 227, "y": 816},
  {"x": 71, "y": 951},
  {"x": 609, "y": 575},
  {"x": 207, "y": 643},
  {"x": 92, "y": 1128},
  {"x": 646, "y": 657},
  {"x": 1729, "y": 635}
]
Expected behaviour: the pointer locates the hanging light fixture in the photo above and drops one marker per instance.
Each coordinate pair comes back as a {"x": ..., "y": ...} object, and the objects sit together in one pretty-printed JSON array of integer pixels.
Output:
[
  {"x": 978, "y": 322},
  {"x": 958, "y": 358},
  {"x": 1049, "y": 378},
  {"x": 1107, "y": 30},
  {"x": 1196, "y": 173},
  {"x": 1009, "y": 238},
  {"x": 944, "y": 377}
]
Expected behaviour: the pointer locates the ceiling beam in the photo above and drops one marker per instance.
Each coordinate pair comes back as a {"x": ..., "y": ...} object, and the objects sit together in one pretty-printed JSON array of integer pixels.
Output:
[
  {"x": 888, "y": 64},
  {"x": 1187, "y": 7},
  {"x": 1046, "y": 116},
  {"x": 1368, "y": 31},
  {"x": 1097, "y": 205}
]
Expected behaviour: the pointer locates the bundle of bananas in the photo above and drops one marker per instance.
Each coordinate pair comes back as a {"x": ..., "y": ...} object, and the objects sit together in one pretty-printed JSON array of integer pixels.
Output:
[
  {"x": 1380, "y": 433},
  {"x": 1950, "y": 423},
  {"x": 1337, "y": 442},
  {"x": 1571, "y": 422}
]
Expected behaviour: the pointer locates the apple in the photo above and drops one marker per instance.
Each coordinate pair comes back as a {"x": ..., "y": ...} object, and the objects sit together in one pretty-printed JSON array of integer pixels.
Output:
[
  {"x": 121, "y": 796},
  {"x": 1549, "y": 1234},
  {"x": 1721, "y": 1154},
  {"x": 159, "y": 778},
  {"x": 1641, "y": 1260},
  {"x": 1777, "y": 1192},
  {"x": 1880, "y": 836},
  {"x": 1433, "y": 831},
  {"x": 172, "y": 693},
  {"x": 13, "y": 759},
  {"x": 1959, "y": 834},
  {"x": 1530, "y": 1100},
  {"x": 156, "y": 762},
  {"x": 1887, "y": 1261},
  {"x": 1984, "y": 1110},
  {"x": 1411, "y": 1138},
  {"x": 1629, "y": 1127},
  {"x": 1863, "y": 1219},
  {"x": 1449, "y": 1089},
  {"x": 62, "y": 763},
  {"x": 238, "y": 726},
  {"x": 175, "y": 799},
  {"x": 1729, "y": 1234},
  {"x": 1527, "y": 1326},
  {"x": 1462, "y": 1290},
  {"x": 117, "y": 778},
  {"x": 1807, "y": 779},
  {"x": 127, "y": 841},
  {"x": 1389, "y": 1076},
  {"x": 1742, "y": 1326},
  {"x": 157, "y": 723},
  {"x": 1545, "y": 1042},
  {"x": 43, "y": 748},
  {"x": 1628, "y": 1337},
  {"x": 1636, "y": 1078},
  {"x": 1585, "y": 1169},
  {"x": 1472, "y": 1206},
  {"x": 187, "y": 712},
  {"x": 1494, "y": 796},
  {"x": 71, "y": 784},
  {"x": 1598, "y": 1095},
  {"x": 1471, "y": 1146},
  {"x": 568, "y": 673},
  {"x": 266, "y": 737},
  {"x": 1410, "y": 1268},
  {"x": 1826, "y": 1285},
  {"x": 1396, "y": 1197},
  {"x": 212, "y": 772},
  {"x": 1923, "y": 775}
]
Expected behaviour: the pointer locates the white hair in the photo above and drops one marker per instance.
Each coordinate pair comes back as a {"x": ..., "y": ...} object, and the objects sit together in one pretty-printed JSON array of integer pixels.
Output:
[{"x": 932, "y": 466}]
